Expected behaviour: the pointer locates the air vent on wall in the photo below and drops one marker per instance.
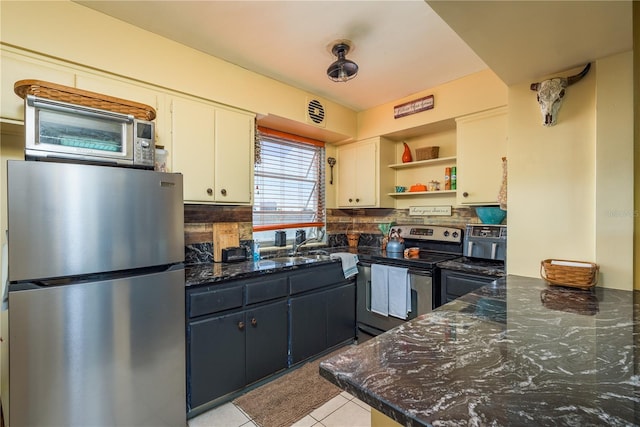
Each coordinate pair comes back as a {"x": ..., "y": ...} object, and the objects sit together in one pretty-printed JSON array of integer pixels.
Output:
[{"x": 315, "y": 113}]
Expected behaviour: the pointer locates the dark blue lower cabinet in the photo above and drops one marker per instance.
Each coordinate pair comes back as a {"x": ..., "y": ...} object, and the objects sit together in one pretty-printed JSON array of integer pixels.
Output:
[
  {"x": 266, "y": 340},
  {"x": 321, "y": 320},
  {"x": 241, "y": 332},
  {"x": 216, "y": 357},
  {"x": 341, "y": 314},
  {"x": 308, "y": 325},
  {"x": 229, "y": 352}
]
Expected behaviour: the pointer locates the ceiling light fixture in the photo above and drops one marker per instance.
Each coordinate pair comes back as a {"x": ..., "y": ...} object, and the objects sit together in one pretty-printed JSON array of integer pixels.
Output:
[{"x": 342, "y": 69}]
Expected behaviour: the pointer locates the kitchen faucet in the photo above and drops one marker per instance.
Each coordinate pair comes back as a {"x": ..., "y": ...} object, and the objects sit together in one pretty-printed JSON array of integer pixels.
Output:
[{"x": 296, "y": 247}]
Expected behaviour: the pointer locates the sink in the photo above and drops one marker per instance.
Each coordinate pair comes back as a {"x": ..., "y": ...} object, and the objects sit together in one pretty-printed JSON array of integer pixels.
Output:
[
  {"x": 299, "y": 259},
  {"x": 290, "y": 259},
  {"x": 317, "y": 257}
]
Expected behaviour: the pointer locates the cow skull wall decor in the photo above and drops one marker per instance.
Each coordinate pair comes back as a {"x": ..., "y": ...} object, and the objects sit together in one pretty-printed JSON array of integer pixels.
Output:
[{"x": 552, "y": 91}]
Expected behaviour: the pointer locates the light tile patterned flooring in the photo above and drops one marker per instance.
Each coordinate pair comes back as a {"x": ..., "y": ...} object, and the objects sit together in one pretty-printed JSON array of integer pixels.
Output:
[{"x": 343, "y": 410}]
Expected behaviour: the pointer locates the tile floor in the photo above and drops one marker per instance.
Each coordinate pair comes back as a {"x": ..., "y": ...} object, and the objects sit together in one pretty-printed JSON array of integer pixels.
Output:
[{"x": 343, "y": 410}]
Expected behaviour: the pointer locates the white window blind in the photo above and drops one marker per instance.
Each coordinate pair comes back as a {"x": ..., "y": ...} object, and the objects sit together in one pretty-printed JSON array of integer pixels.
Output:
[{"x": 289, "y": 182}]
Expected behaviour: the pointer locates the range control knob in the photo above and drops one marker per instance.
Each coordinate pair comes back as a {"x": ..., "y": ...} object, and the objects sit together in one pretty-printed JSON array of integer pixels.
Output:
[
  {"x": 446, "y": 233},
  {"x": 455, "y": 234}
]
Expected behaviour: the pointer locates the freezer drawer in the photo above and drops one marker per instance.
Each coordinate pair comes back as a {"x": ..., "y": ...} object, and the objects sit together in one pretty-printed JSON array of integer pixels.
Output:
[{"x": 103, "y": 353}]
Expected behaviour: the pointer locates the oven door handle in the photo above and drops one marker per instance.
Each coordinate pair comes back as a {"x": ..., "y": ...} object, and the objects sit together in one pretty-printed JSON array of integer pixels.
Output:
[{"x": 64, "y": 107}]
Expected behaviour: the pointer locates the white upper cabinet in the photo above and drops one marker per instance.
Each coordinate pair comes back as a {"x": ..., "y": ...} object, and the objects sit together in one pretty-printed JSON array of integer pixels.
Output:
[
  {"x": 363, "y": 177},
  {"x": 233, "y": 157},
  {"x": 213, "y": 149},
  {"x": 482, "y": 143},
  {"x": 15, "y": 67}
]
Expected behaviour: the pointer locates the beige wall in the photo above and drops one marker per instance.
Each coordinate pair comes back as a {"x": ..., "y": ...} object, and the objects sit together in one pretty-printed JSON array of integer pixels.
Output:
[
  {"x": 565, "y": 181},
  {"x": 470, "y": 94},
  {"x": 614, "y": 209}
]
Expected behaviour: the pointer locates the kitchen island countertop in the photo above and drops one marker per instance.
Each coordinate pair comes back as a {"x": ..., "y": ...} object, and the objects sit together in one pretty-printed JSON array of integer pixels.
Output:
[{"x": 517, "y": 352}]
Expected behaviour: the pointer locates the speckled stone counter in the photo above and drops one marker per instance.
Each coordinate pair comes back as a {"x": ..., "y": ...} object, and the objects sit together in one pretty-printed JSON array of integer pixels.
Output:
[
  {"x": 211, "y": 273},
  {"x": 474, "y": 266},
  {"x": 514, "y": 353}
]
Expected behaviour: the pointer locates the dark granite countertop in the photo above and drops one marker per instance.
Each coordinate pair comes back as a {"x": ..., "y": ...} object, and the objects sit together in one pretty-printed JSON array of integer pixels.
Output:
[
  {"x": 517, "y": 352},
  {"x": 475, "y": 266},
  {"x": 210, "y": 273}
]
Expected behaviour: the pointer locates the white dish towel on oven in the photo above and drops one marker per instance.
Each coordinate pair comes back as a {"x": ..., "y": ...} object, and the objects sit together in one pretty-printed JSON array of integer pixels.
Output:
[{"x": 390, "y": 291}]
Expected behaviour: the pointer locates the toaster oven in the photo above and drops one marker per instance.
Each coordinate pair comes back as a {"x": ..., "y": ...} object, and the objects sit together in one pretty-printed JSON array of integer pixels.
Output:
[{"x": 56, "y": 130}]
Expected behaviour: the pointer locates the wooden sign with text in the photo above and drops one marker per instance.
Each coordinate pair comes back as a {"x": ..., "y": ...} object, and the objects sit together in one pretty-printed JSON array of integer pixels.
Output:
[
  {"x": 413, "y": 107},
  {"x": 430, "y": 210}
]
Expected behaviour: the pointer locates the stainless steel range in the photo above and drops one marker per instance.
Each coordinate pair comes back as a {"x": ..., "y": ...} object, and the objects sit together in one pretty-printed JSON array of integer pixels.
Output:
[{"x": 412, "y": 280}]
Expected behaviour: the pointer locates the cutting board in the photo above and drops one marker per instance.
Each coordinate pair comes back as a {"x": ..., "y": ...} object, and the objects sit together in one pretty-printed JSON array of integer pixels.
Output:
[{"x": 225, "y": 235}]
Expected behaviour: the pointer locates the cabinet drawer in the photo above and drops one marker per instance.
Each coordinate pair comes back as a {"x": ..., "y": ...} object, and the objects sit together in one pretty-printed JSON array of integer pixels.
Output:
[
  {"x": 316, "y": 277},
  {"x": 214, "y": 300},
  {"x": 265, "y": 289}
]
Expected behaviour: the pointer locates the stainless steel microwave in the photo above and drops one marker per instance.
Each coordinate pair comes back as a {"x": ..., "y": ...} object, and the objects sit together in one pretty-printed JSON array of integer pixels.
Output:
[{"x": 60, "y": 131}]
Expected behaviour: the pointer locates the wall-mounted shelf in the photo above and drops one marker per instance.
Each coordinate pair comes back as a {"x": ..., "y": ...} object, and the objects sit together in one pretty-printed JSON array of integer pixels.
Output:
[
  {"x": 422, "y": 193},
  {"x": 422, "y": 163}
]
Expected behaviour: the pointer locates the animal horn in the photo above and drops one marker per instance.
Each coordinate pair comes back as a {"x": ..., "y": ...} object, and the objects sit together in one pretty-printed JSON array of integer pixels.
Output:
[{"x": 574, "y": 79}]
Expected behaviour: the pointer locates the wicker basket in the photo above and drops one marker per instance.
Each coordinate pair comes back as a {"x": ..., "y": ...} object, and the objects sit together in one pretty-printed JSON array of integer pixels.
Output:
[
  {"x": 575, "y": 274},
  {"x": 427, "y": 153},
  {"x": 85, "y": 98}
]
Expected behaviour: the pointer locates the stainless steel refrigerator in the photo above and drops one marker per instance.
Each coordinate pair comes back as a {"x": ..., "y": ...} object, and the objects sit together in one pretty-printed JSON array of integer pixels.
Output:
[{"x": 96, "y": 296}]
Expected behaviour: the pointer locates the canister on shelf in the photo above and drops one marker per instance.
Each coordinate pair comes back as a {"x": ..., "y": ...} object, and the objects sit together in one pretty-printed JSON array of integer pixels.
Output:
[
  {"x": 454, "y": 178},
  {"x": 447, "y": 178}
]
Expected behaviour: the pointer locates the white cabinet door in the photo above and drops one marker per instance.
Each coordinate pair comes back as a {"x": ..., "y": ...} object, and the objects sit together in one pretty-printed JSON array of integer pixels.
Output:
[
  {"x": 366, "y": 180},
  {"x": 347, "y": 175},
  {"x": 482, "y": 142},
  {"x": 234, "y": 139},
  {"x": 213, "y": 149},
  {"x": 192, "y": 134},
  {"x": 14, "y": 68},
  {"x": 360, "y": 175}
]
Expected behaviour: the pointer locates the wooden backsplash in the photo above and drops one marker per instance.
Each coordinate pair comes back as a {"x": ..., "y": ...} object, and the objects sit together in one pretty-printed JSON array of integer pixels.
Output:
[{"x": 199, "y": 219}]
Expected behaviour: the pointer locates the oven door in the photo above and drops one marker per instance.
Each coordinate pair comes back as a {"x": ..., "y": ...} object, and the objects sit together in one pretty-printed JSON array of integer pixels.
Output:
[
  {"x": 60, "y": 130},
  {"x": 371, "y": 323}
]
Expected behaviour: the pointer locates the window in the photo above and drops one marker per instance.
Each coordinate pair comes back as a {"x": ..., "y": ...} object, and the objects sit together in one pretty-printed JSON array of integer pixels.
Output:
[{"x": 289, "y": 185}]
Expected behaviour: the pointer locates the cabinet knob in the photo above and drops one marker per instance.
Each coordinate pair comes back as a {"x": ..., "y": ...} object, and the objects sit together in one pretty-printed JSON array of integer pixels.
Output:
[
  {"x": 357, "y": 200},
  {"x": 254, "y": 322},
  {"x": 465, "y": 194},
  {"x": 241, "y": 325},
  {"x": 223, "y": 192},
  {"x": 350, "y": 200},
  {"x": 209, "y": 191}
]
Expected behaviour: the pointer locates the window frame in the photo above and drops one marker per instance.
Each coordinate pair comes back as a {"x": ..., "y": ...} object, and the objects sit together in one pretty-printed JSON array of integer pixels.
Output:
[{"x": 275, "y": 136}]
